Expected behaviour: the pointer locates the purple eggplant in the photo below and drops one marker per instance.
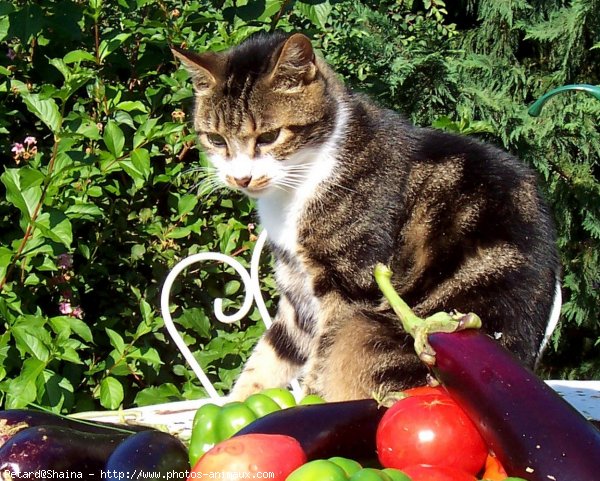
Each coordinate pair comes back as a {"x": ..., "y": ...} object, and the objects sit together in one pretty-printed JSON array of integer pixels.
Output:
[
  {"x": 14, "y": 420},
  {"x": 149, "y": 454},
  {"x": 532, "y": 430},
  {"x": 54, "y": 451},
  {"x": 345, "y": 428}
]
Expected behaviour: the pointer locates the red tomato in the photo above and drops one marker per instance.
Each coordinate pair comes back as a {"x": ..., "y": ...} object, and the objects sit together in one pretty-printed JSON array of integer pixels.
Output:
[
  {"x": 426, "y": 390},
  {"x": 431, "y": 430},
  {"x": 494, "y": 471},
  {"x": 423, "y": 472},
  {"x": 419, "y": 391},
  {"x": 247, "y": 455}
]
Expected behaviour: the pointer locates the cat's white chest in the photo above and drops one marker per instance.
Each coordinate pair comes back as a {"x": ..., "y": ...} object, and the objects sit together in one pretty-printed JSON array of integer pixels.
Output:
[
  {"x": 280, "y": 215},
  {"x": 281, "y": 212}
]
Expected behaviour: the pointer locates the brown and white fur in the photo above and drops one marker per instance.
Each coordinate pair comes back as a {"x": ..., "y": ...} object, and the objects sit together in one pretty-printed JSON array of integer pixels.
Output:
[{"x": 341, "y": 185}]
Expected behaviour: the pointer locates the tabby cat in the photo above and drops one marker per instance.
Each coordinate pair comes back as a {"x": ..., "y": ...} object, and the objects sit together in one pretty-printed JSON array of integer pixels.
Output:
[{"x": 342, "y": 184}]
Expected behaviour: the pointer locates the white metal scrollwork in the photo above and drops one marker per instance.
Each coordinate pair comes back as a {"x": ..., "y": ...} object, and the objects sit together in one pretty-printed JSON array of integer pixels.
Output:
[{"x": 253, "y": 295}]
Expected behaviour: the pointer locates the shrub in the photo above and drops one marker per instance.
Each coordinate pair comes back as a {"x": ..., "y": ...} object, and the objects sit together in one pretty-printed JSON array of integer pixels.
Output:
[{"x": 102, "y": 185}]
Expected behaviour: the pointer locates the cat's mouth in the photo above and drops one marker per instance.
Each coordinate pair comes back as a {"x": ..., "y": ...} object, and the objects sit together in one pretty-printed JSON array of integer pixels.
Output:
[{"x": 251, "y": 186}]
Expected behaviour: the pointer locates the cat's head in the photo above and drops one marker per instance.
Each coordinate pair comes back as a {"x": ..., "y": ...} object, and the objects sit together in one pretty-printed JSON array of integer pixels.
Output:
[{"x": 262, "y": 110}]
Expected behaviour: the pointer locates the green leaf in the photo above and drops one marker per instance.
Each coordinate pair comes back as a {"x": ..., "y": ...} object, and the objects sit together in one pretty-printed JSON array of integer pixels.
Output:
[
  {"x": 148, "y": 355},
  {"x": 61, "y": 66},
  {"x": 197, "y": 320},
  {"x": 76, "y": 56},
  {"x": 21, "y": 192},
  {"x": 232, "y": 287},
  {"x": 68, "y": 323},
  {"x": 137, "y": 252},
  {"x": 317, "y": 12},
  {"x": 138, "y": 168},
  {"x": 107, "y": 47},
  {"x": 56, "y": 390},
  {"x": 186, "y": 204},
  {"x": 111, "y": 393},
  {"x": 146, "y": 311},
  {"x": 179, "y": 233},
  {"x": 114, "y": 139},
  {"x": 84, "y": 211},
  {"x": 6, "y": 256},
  {"x": 4, "y": 350},
  {"x": 56, "y": 226},
  {"x": 4, "y": 26},
  {"x": 116, "y": 340},
  {"x": 124, "y": 118},
  {"x": 164, "y": 393},
  {"x": 44, "y": 109},
  {"x": 69, "y": 354},
  {"x": 31, "y": 337},
  {"x": 131, "y": 105},
  {"x": 89, "y": 130},
  {"x": 22, "y": 390}
]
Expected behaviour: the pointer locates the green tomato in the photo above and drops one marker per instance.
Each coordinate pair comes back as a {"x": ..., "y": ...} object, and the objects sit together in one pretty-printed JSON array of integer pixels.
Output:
[
  {"x": 261, "y": 404},
  {"x": 311, "y": 399},
  {"x": 281, "y": 396},
  {"x": 204, "y": 431},
  {"x": 348, "y": 465},
  {"x": 369, "y": 474},
  {"x": 395, "y": 474},
  {"x": 318, "y": 470},
  {"x": 233, "y": 417}
]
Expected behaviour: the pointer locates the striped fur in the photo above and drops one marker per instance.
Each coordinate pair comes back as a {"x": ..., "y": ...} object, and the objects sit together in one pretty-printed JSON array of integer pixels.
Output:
[{"x": 342, "y": 184}]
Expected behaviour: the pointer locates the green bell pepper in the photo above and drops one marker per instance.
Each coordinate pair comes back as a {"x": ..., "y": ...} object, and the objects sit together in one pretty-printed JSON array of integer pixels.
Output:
[
  {"x": 342, "y": 469},
  {"x": 213, "y": 424}
]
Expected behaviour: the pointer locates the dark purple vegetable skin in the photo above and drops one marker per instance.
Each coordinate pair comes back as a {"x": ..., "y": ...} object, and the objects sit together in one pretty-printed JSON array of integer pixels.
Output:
[
  {"x": 345, "y": 428},
  {"x": 152, "y": 452},
  {"x": 535, "y": 433},
  {"x": 14, "y": 420},
  {"x": 56, "y": 449}
]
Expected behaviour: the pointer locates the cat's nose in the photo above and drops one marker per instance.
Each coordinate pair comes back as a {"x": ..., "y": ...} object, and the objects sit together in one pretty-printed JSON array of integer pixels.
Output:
[{"x": 243, "y": 182}]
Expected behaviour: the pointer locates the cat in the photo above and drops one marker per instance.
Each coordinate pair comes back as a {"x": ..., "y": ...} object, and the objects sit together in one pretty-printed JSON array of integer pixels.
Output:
[{"x": 342, "y": 184}]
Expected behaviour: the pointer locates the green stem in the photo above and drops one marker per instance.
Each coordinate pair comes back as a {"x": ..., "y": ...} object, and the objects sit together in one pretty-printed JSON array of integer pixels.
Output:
[
  {"x": 417, "y": 327},
  {"x": 410, "y": 321}
]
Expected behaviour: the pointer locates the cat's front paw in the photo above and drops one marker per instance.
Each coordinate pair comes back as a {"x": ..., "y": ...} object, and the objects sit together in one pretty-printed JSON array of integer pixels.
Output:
[{"x": 241, "y": 391}]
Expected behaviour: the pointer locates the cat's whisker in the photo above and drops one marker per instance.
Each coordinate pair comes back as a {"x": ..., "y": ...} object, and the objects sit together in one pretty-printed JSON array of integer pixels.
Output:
[
  {"x": 296, "y": 181},
  {"x": 202, "y": 170},
  {"x": 300, "y": 168},
  {"x": 282, "y": 187},
  {"x": 196, "y": 168},
  {"x": 208, "y": 185}
]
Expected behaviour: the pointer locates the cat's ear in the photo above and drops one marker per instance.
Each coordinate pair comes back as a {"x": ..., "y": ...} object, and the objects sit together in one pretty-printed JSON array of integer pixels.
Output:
[
  {"x": 206, "y": 69},
  {"x": 294, "y": 64}
]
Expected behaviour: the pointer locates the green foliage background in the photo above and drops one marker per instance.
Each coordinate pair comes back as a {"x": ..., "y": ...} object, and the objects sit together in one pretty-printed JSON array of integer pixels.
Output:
[{"x": 110, "y": 198}]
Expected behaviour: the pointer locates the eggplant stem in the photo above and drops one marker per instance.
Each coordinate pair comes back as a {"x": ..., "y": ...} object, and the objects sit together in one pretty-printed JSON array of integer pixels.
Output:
[
  {"x": 416, "y": 326},
  {"x": 410, "y": 321}
]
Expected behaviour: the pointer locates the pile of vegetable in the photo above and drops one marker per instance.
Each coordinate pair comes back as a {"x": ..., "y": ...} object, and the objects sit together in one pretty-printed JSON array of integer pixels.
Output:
[
  {"x": 41, "y": 445},
  {"x": 488, "y": 419},
  {"x": 423, "y": 436}
]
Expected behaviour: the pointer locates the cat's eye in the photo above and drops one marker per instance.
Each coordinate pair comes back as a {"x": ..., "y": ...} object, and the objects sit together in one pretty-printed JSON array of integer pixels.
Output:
[
  {"x": 268, "y": 138},
  {"x": 216, "y": 140}
]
